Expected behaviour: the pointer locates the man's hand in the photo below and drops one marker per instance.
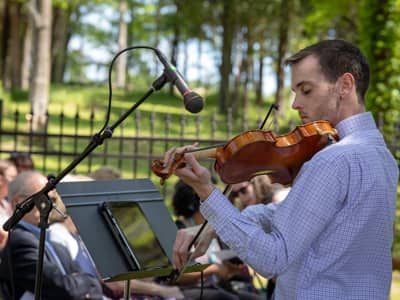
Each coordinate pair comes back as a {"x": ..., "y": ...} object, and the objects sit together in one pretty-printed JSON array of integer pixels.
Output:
[
  {"x": 193, "y": 174},
  {"x": 184, "y": 238}
]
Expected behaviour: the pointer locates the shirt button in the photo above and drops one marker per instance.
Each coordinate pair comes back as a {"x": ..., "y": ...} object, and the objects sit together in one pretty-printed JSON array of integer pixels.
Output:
[{"x": 87, "y": 296}]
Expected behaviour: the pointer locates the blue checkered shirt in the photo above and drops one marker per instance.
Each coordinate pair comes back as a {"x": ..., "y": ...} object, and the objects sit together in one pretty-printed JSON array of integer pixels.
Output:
[{"x": 331, "y": 237}]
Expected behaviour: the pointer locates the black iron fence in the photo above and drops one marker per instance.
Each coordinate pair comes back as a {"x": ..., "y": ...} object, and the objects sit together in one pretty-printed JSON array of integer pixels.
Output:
[{"x": 133, "y": 146}]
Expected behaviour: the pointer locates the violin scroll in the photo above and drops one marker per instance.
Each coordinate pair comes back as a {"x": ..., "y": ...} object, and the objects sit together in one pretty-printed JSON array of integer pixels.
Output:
[{"x": 164, "y": 172}]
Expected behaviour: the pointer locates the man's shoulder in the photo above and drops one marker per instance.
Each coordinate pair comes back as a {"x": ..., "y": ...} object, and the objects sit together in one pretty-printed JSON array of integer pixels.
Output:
[
  {"x": 335, "y": 152},
  {"x": 20, "y": 237}
]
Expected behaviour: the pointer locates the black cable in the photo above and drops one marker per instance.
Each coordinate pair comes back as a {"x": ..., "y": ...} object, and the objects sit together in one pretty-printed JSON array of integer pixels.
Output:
[
  {"x": 10, "y": 269},
  {"x": 97, "y": 138},
  {"x": 110, "y": 82}
]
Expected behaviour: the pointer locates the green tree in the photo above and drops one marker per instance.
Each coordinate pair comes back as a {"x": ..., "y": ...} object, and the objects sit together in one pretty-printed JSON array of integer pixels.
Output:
[{"x": 380, "y": 40}]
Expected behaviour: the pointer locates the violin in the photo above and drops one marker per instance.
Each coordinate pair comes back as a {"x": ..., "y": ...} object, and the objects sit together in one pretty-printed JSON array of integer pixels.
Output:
[{"x": 257, "y": 152}]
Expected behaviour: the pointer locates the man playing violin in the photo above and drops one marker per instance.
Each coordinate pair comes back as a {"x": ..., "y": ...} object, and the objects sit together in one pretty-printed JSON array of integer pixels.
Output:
[{"x": 331, "y": 238}]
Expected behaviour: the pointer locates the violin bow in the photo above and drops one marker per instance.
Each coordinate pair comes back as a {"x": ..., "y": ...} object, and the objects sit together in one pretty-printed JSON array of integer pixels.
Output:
[{"x": 176, "y": 274}]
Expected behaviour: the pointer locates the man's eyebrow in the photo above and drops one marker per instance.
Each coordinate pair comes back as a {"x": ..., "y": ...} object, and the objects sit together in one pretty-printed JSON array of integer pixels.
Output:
[{"x": 302, "y": 83}]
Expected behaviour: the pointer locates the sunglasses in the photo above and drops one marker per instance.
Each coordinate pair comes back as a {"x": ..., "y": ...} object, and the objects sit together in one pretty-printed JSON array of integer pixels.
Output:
[{"x": 242, "y": 190}]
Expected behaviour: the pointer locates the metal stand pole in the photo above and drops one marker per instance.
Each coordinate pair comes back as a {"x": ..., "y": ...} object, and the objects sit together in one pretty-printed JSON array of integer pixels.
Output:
[{"x": 127, "y": 290}]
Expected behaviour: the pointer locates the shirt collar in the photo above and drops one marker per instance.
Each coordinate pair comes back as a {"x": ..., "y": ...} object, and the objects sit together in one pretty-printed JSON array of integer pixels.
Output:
[
  {"x": 30, "y": 227},
  {"x": 362, "y": 121}
]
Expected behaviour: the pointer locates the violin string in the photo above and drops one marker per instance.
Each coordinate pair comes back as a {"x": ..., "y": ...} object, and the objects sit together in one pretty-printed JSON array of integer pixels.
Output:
[{"x": 273, "y": 106}]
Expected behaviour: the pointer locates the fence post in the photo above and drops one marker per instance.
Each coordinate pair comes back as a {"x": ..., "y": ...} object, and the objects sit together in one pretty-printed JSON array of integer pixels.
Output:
[
  {"x": 60, "y": 140},
  {"x": 136, "y": 145},
  {"x": 152, "y": 127},
  {"x": 213, "y": 124},
  {"x": 1, "y": 114},
  {"x": 91, "y": 132},
  {"x": 121, "y": 143},
  {"x": 197, "y": 124},
  {"x": 1, "y": 119},
  {"x": 16, "y": 118},
  {"x": 183, "y": 125}
]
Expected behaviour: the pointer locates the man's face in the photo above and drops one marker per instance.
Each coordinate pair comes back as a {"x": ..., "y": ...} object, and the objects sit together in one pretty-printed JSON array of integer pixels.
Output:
[
  {"x": 316, "y": 98},
  {"x": 245, "y": 192},
  {"x": 35, "y": 184}
]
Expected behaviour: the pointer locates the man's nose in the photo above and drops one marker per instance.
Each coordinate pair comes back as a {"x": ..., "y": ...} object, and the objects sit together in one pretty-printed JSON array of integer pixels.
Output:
[{"x": 296, "y": 103}]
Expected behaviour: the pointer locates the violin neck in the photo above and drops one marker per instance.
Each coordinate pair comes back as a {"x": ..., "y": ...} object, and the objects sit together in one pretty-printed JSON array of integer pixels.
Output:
[{"x": 208, "y": 152}]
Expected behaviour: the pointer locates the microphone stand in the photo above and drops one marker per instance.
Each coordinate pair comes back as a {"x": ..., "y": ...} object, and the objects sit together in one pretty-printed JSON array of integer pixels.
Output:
[{"x": 41, "y": 199}]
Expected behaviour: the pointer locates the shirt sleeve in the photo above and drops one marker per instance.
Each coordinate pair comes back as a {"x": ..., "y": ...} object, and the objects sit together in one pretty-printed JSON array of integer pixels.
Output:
[{"x": 272, "y": 239}]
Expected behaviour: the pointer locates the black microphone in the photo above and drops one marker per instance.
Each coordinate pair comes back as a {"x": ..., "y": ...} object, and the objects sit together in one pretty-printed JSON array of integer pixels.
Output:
[{"x": 193, "y": 101}]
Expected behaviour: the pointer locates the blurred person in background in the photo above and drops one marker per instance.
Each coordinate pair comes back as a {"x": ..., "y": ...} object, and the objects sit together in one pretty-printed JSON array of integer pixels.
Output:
[
  {"x": 22, "y": 161},
  {"x": 62, "y": 277},
  {"x": 7, "y": 173},
  {"x": 223, "y": 279},
  {"x": 259, "y": 190},
  {"x": 64, "y": 232},
  {"x": 106, "y": 173}
]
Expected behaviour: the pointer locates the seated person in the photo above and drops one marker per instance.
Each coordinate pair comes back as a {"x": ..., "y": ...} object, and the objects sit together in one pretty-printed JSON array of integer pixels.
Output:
[
  {"x": 62, "y": 231},
  {"x": 219, "y": 283},
  {"x": 9, "y": 169},
  {"x": 259, "y": 190},
  {"x": 22, "y": 161},
  {"x": 106, "y": 173},
  {"x": 62, "y": 277},
  {"x": 5, "y": 209}
]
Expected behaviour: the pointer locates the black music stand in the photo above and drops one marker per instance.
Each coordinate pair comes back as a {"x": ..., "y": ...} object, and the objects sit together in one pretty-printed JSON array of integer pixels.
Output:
[{"x": 83, "y": 199}]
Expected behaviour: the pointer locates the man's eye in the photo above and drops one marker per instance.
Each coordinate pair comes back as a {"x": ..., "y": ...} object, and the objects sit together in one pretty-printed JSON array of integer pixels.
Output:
[{"x": 306, "y": 92}]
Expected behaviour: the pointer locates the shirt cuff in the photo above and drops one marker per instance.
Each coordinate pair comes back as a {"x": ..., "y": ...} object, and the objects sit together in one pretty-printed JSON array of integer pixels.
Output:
[{"x": 217, "y": 208}]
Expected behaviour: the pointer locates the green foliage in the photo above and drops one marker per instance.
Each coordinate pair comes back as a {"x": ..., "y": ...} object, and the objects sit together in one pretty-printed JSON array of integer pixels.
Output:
[
  {"x": 332, "y": 19},
  {"x": 380, "y": 40},
  {"x": 396, "y": 241}
]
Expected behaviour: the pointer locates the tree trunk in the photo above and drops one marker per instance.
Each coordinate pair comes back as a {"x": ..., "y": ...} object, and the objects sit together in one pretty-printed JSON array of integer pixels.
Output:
[
  {"x": 3, "y": 6},
  {"x": 27, "y": 56},
  {"x": 237, "y": 84},
  {"x": 12, "y": 71},
  {"x": 282, "y": 49},
  {"x": 40, "y": 82},
  {"x": 199, "y": 65},
  {"x": 157, "y": 35},
  {"x": 226, "y": 64},
  {"x": 185, "y": 66},
  {"x": 248, "y": 68},
  {"x": 175, "y": 43},
  {"x": 60, "y": 38},
  {"x": 121, "y": 63},
  {"x": 259, "y": 84}
]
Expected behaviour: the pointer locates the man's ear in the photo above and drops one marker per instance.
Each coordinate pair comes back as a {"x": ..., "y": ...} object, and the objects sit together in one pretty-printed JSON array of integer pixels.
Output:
[
  {"x": 14, "y": 201},
  {"x": 346, "y": 84}
]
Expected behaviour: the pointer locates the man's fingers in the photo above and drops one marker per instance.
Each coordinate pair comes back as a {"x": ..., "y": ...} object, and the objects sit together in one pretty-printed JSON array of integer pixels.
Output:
[
  {"x": 180, "y": 250},
  {"x": 168, "y": 157},
  {"x": 194, "y": 164}
]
